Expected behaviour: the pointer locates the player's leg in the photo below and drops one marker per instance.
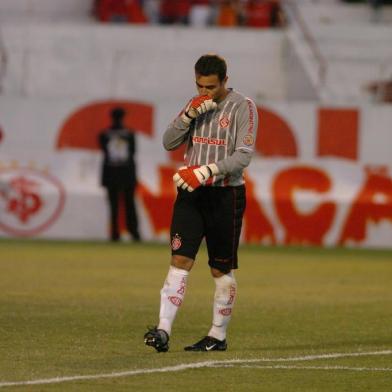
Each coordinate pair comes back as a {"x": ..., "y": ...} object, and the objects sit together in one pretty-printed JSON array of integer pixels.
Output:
[
  {"x": 222, "y": 236},
  {"x": 223, "y": 257},
  {"x": 173, "y": 291},
  {"x": 131, "y": 213},
  {"x": 113, "y": 203},
  {"x": 172, "y": 296},
  {"x": 186, "y": 235}
]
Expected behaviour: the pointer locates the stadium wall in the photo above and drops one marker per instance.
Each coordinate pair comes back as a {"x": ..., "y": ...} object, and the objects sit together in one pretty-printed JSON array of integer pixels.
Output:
[
  {"x": 39, "y": 10},
  {"x": 138, "y": 62},
  {"x": 321, "y": 175}
]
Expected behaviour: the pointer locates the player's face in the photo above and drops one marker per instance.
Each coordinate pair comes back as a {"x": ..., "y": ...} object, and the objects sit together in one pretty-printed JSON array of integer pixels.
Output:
[{"x": 212, "y": 86}]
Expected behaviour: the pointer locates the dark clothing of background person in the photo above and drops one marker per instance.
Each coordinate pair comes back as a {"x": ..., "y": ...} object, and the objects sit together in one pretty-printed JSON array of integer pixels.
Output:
[{"x": 119, "y": 173}]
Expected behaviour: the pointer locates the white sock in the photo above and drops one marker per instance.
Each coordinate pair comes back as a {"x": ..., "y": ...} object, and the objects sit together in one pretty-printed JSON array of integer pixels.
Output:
[
  {"x": 225, "y": 293},
  {"x": 172, "y": 295}
]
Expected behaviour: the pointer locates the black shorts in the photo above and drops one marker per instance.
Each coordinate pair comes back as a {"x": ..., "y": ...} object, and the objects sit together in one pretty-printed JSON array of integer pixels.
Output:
[{"x": 214, "y": 213}]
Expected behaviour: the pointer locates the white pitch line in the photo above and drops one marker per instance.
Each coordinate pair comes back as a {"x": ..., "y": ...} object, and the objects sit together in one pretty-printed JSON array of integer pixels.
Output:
[
  {"x": 194, "y": 365},
  {"x": 356, "y": 369}
]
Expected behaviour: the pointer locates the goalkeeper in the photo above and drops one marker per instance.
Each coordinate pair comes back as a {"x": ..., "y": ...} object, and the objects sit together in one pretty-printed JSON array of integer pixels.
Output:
[{"x": 219, "y": 128}]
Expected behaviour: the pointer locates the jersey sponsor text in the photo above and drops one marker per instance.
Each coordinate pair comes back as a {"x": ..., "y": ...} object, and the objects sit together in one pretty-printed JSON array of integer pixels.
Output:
[{"x": 207, "y": 140}]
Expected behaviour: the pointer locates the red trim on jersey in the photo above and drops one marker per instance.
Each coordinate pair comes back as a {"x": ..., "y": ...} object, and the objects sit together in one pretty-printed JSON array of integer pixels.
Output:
[{"x": 251, "y": 116}]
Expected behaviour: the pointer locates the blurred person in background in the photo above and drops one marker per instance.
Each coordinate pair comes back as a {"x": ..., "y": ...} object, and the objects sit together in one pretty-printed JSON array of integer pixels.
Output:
[
  {"x": 119, "y": 11},
  {"x": 218, "y": 127},
  {"x": 381, "y": 90},
  {"x": 229, "y": 13},
  {"x": 201, "y": 14},
  {"x": 376, "y": 6},
  {"x": 118, "y": 173},
  {"x": 151, "y": 10},
  {"x": 263, "y": 13},
  {"x": 175, "y": 11}
]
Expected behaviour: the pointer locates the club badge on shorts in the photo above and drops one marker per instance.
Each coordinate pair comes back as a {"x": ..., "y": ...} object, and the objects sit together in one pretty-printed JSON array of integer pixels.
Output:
[{"x": 176, "y": 242}]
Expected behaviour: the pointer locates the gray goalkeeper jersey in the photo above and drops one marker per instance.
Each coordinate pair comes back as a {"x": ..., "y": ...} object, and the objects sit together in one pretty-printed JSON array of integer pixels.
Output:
[{"x": 225, "y": 136}]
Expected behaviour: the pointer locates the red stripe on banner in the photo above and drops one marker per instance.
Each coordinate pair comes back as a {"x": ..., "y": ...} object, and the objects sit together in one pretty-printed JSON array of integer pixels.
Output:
[{"x": 338, "y": 133}]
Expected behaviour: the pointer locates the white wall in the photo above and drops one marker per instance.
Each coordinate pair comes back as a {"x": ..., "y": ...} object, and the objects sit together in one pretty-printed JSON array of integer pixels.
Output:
[
  {"x": 23, "y": 10},
  {"x": 82, "y": 60}
]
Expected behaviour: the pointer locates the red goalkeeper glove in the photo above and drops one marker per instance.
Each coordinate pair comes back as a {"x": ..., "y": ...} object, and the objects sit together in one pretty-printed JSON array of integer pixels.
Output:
[
  {"x": 192, "y": 177},
  {"x": 197, "y": 106}
]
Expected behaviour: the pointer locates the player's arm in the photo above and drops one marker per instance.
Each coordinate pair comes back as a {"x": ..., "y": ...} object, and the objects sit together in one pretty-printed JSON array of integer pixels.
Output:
[
  {"x": 132, "y": 143},
  {"x": 178, "y": 131},
  {"x": 102, "y": 140},
  {"x": 175, "y": 135},
  {"x": 247, "y": 123}
]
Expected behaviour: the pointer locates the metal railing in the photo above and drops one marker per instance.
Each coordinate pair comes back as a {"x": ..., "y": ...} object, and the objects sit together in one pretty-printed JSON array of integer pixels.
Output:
[
  {"x": 293, "y": 12},
  {"x": 3, "y": 63}
]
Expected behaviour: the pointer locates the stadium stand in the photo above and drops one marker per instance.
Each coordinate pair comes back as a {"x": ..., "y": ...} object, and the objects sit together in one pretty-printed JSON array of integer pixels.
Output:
[
  {"x": 49, "y": 63},
  {"x": 334, "y": 49},
  {"x": 347, "y": 50},
  {"x": 119, "y": 11}
]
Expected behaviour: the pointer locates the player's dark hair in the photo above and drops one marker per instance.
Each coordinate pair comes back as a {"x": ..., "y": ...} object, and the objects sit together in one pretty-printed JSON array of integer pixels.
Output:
[{"x": 211, "y": 64}]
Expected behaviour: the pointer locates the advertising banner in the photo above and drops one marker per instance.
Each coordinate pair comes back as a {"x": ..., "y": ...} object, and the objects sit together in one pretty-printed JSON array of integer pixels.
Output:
[{"x": 321, "y": 175}]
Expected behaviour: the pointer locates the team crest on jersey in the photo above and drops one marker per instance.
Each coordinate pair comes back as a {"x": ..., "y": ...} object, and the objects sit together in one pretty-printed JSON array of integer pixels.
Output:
[
  {"x": 176, "y": 242},
  {"x": 248, "y": 140},
  {"x": 224, "y": 122}
]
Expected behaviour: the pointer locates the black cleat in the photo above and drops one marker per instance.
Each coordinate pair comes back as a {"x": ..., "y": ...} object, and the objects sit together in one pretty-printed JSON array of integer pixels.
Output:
[
  {"x": 157, "y": 338},
  {"x": 208, "y": 344}
]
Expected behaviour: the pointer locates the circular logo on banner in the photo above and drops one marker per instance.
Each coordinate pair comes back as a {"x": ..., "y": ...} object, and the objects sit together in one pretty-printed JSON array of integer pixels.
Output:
[
  {"x": 176, "y": 242},
  {"x": 30, "y": 201},
  {"x": 224, "y": 122},
  {"x": 248, "y": 140}
]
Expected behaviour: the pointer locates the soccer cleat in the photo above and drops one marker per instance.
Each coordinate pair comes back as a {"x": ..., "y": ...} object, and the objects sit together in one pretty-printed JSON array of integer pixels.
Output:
[
  {"x": 208, "y": 343},
  {"x": 157, "y": 338}
]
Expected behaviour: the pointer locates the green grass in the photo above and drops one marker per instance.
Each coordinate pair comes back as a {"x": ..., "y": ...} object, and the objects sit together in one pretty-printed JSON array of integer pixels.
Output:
[{"x": 72, "y": 308}]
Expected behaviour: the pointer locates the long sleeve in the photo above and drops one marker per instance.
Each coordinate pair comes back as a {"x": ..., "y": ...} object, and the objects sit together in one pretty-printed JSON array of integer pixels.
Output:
[
  {"x": 176, "y": 134},
  {"x": 245, "y": 138}
]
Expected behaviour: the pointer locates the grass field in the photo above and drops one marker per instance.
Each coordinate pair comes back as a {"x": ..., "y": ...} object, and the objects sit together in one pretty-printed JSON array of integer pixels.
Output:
[{"x": 305, "y": 320}]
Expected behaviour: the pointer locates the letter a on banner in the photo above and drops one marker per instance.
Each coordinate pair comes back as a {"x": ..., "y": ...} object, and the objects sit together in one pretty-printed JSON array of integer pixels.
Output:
[
  {"x": 303, "y": 228},
  {"x": 373, "y": 204}
]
